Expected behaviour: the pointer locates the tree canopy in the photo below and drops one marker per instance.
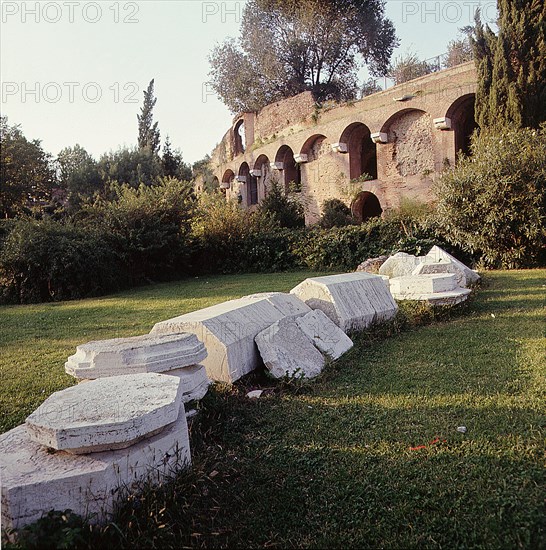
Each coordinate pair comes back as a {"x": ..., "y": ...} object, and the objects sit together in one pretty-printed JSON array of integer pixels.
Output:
[
  {"x": 512, "y": 66},
  {"x": 289, "y": 46},
  {"x": 148, "y": 132}
]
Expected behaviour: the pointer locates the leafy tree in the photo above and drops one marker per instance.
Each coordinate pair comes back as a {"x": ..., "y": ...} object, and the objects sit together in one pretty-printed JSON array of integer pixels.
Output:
[
  {"x": 286, "y": 211},
  {"x": 460, "y": 50},
  {"x": 148, "y": 132},
  {"x": 172, "y": 164},
  {"x": 290, "y": 46},
  {"x": 78, "y": 175},
  {"x": 512, "y": 66},
  {"x": 202, "y": 171},
  {"x": 27, "y": 176},
  {"x": 130, "y": 166},
  {"x": 494, "y": 202},
  {"x": 335, "y": 213},
  {"x": 370, "y": 87},
  {"x": 409, "y": 66}
]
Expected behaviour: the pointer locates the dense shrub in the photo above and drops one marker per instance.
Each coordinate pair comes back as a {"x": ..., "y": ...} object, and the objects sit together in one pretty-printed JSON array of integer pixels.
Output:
[
  {"x": 335, "y": 213},
  {"x": 494, "y": 203},
  {"x": 286, "y": 210},
  {"x": 45, "y": 260}
]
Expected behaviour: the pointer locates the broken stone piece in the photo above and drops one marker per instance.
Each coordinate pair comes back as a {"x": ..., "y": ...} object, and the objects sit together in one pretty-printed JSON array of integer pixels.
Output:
[
  {"x": 286, "y": 350},
  {"x": 437, "y": 254},
  {"x": 353, "y": 301},
  {"x": 228, "y": 330},
  {"x": 34, "y": 480},
  {"x": 135, "y": 355},
  {"x": 325, "y": 334},
  {"x": 194, "y": 381},
  {"x": 422, "y": 284},
  {"x": 106, "y": 414},
  {"x": 400, "y": 264},
  {"x": 441, "y": 267}
]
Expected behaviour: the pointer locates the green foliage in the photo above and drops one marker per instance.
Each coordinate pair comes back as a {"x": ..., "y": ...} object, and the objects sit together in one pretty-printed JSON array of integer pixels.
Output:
[
  {"x": 370, "y": 87},
  {"x": 335, "y": 213},
  {"x": 494, "y": 203},
  {"x": 286, "y": 210},
  {"x": 287, "y": 47},
  {"x": 130, "y": 166},
  {"x": 409, "y": 66},
  {"x": 512, "y": 66},
  {"x": 172, "y": 164},
  {"x": 26, "y": 174},
  {"x": 459, "y": 50},
  {"x": 46, "y": 260},
  {"x": 148, "y": 132}
]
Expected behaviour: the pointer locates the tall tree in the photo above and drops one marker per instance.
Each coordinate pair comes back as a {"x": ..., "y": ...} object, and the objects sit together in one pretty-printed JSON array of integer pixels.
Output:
[
  {"x": 26, "y": 174},
  {"x": 148, "y": 132},
  {"x": 173, "y": 164},
  {"x": 409, "y": 66},
  {"x": 130, "y": 166},
  {"x": 77, "y": 174},
  {"x": 512, "y": 66},
  {"x": 289, "y": 46},
  {"x": 460, "y": 50}
]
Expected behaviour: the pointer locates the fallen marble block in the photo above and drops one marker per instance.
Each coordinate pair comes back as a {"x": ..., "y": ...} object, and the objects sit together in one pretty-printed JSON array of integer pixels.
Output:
[
  {"x": 34, "y": 480},
  {"x": 441, "y": 267},
  {"x": 447, "y": 298},
  {"x": 106, "y": 414},
  {"x": 437, "y": 254},
  {"x": 228, "y": 330},
  {"x": 422, "y": 284},
  {"x": 194, "y": 382},
  {"x": 287, "y": 350},
  {"x": 135, "y": 355},
  {"x": 353, "y": 301},
  {"x": 325, "y": 334},
  {"x": 400, "y": 264}
]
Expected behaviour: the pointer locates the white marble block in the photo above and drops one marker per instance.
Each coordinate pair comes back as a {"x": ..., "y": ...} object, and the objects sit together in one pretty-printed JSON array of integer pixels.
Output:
[
  {"x": 437, "y": 254},
  {"x": 423, "y": 284},
  {"x": 400, "y": 264},
  {"x": 353, "y": 301},
  {"x": 228, "y": 330},
  {"x": 194, "y": 381},
  {"x": 106, "y": 414},
  {"x": 325, "y": 334},
  {"x": 35, "y": 480},
  {"x": 441, "y": 267},
  {"x": 286, "y": 350},
  {"x": 134, "y": 355}
]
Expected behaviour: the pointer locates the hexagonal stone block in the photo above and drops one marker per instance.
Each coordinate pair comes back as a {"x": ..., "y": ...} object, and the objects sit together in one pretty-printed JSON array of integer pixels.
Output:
[
  {"x": 437, "y": 254},
  {"x": 423, "y": 284},
  {"x": 400, "y": 264},
  {"x": 135, "y": 355},
  {"x": 35, "y": 480},
  {"x": 353, "y": 301},
  {"x": 105, "y": 414},
  {"x": 194, "y": 381},
  {"x": 228, "y": 330},
  {"x": 441, "y": 267}
]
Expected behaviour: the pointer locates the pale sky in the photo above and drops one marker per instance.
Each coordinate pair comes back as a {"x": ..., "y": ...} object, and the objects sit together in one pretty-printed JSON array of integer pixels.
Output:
[{"x": 74, "y": 71}]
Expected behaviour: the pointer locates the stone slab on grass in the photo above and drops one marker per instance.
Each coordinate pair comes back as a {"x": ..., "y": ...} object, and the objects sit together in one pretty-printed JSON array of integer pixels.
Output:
[
  {"x": 106, "y": 414},
  {"x": 194, "y": 381},
  {"x": 400, "y": 264},
  {"x": 35, "y": 480},
  {"x": 423, "y": 284},
  {"x": 325, "y": 334},
  {"x": 449, "y": 298},
  {"x": 228, "y": 331},
  {"x": 287, "y": 350},
  {"x": 437, "y": 254},
  {"x": 135, "y": 355},
  {"x": 353, "y": 301},
  {"x": 441, "y": 267}
]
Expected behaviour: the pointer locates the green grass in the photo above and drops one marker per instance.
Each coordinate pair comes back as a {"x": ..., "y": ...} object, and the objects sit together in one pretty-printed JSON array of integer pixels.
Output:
[{"x": 330, "y": 463}]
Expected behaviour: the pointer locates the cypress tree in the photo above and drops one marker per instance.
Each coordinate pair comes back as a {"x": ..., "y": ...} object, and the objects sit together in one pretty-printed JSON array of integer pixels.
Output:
[
  {"x": 148, "y": 132},
  {"x": 512, "y": 66}
]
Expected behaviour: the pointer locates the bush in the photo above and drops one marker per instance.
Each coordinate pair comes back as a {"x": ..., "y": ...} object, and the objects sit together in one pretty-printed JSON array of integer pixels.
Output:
[
  {"x": 45, "y": 260},
  {"x": 494, "y": 203},
  {"x": 335, "y": 213},
  {"x": 286, "y": 210}
]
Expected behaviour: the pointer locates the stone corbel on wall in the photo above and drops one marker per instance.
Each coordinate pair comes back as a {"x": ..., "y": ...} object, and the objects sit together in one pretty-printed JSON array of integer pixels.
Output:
[
  {"x": 442, "y": 123},
  {"x": 379, "y": 137},
  {"x": 241, "y": 179},
  {"x": 256, "y": 173},
  {"x": 300, "y": 158},
  {"x": 276, "y": 165},
  {"x": 339, "y": 147}
]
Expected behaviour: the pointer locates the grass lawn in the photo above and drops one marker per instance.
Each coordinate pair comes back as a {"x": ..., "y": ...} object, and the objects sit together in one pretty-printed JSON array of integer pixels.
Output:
[{"x": 367, "y": 456}]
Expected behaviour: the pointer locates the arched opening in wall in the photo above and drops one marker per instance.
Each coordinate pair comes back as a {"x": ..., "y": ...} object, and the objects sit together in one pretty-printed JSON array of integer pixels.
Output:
[
  {"x": 362, "y": 150},
  {"x": 366, "y": 206},
  {"x": 291, "y": 171},
  {"x": 227, "y": 181},
  {"x": 244, "y": 178},
  {"x": 239, "y": 137},
  {"x": 463, "y": 122},
  {"x": 313, "y": 147},
  {"x": 215, "y": 183},
  {"x": 261, "y": 166}
]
